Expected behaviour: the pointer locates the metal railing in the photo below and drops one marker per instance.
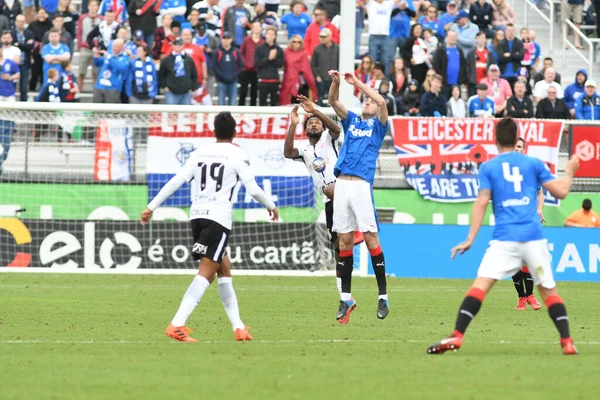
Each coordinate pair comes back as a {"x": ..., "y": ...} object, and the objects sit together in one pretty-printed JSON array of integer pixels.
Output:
[
  {"x": 549, "y": 19},
  {"x": 569, "y": 45}
]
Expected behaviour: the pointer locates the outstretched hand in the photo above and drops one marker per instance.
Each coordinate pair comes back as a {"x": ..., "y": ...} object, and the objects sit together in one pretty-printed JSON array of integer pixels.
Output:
[
  {"x": 335, "y": 75},
  {"x": 461, "y": 248},
  {"x": 294, "y": 115},
  {"x": 306, "y": 104},
  {"x": 351, "y": 78},
  {"x": 146, "y": 216}
]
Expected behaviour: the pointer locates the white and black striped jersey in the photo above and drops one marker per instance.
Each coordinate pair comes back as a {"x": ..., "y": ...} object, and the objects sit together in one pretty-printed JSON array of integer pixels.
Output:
[
  {"x": 320, "y": 160},
  {"x": 213, "y": 24},
  {"x": 215, "y": 170}
]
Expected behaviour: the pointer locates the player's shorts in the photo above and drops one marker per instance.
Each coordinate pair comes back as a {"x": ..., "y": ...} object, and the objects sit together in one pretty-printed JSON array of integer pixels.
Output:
[
  {"x": 353, "y": 207},
  {"x": 210, "y": 239},
  {"x": 504, "y": 259},
  {"x": 329, "y": 221}
]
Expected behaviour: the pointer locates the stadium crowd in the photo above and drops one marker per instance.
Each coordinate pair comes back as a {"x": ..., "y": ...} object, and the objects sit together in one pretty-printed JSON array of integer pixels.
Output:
[{"x": 460, "y": 58}]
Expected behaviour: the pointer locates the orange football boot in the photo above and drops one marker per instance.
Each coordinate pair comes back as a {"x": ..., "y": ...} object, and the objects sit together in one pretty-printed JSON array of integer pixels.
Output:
[
  {"x": 533, "y": 302},
  {"x": 568, "y": 347},
  {"x": 180, "y": 333},
  {"x": 522, "y": 304},
  {"x": 241, "y": 335}
]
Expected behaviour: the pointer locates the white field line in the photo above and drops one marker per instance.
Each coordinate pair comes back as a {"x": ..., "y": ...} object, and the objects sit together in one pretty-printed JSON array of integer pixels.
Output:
[
  {"x": 190, "y": 271},
  {"x": 279, "y": 288},
  {"x": 283, "y": 341}
]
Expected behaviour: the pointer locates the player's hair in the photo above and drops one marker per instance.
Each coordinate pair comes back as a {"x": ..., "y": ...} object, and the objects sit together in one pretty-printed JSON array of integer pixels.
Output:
[
  {"x": 308, "y": 118},
  {"x": 520, "y": 139},
  {"x": 586, "y": 205},
  {"x": 224, "y": 126},
  {"x": 506, "y": 132}
]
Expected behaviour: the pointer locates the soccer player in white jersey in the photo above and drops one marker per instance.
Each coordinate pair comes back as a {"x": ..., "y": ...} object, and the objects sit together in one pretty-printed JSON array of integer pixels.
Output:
[
  {"x": 522, "y": 280},
  {"x": 353, "y": 204},
  {"x": 216, "y": 169},
  {"x": 319, "y": 156},
  {"x": 511, "y": 181}
]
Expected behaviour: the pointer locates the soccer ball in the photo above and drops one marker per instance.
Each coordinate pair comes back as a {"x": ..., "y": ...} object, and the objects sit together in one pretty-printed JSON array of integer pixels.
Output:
[{"x": 319, "y": 164}]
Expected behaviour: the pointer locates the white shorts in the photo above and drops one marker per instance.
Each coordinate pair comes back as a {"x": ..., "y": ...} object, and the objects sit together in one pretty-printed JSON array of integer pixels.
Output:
[
  {"x": 504, "y": 259},
  {"x": 353, "y": 208}
]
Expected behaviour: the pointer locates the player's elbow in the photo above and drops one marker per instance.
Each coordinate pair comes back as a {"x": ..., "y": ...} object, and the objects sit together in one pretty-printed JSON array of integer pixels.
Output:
[{"x": 287, "y": 153}]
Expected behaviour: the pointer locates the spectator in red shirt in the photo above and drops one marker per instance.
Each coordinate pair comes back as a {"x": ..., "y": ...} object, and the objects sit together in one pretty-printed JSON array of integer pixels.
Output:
[
  {"x": 160, "y": 34},
  {"x": 248, "y": 75},
  {"x": 196, "y": 54},
  {"x": 167, "y": 43},
  {"x": 297, "y": 73},
  {"x": 478, "y": 62},
  {"x": 311, "y": 39}
]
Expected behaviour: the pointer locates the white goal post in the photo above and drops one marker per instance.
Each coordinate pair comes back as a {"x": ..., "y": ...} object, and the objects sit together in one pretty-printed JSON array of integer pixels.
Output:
[{"x": 76, "y": 176}]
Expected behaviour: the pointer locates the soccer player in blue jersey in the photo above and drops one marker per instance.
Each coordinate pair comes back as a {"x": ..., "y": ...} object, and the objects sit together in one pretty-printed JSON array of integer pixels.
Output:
[
  {"x": 511, "y": 181},
  {"x": 353, "y": 206}
]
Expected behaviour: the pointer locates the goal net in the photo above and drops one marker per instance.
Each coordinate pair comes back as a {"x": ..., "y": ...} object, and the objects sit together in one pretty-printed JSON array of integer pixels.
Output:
[{"x": 75, "y": 177}]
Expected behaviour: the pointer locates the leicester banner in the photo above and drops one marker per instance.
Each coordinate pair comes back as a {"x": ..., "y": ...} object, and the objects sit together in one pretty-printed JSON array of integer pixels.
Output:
[
  {"x": 175, "y": 136},
  {"x": 440, "y": 157}
]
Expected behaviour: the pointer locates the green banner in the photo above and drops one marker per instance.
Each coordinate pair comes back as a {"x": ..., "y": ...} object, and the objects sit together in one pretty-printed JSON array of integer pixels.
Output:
[{"x": 125, "y": 202}]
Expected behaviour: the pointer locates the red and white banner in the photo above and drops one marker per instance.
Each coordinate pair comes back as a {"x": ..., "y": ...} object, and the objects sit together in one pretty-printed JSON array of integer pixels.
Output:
[
  {"x": 424, "y": 145},
  {"x": 585, "y": 142}
]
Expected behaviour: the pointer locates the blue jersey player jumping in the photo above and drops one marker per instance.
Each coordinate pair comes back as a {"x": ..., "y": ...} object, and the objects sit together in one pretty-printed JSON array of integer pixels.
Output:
[
  {"x": 511, "y": 181},
  {"x": 353, "y": 206}
]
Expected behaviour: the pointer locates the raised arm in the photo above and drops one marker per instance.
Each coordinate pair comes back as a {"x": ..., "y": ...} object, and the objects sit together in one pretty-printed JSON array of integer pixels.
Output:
[
  {"x": 334, "y": 95},
  {"x": 382, "y": 112},
  {"x": 561, "y": 187},
  {"x": 308, "y": 106},
  {"x": 289, "y": 151}
]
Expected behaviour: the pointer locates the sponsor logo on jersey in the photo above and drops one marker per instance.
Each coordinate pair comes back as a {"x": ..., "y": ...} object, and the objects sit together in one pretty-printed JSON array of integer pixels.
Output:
[
  {"x": 516, "y": 202},
  {"x": 360, "y": 132}
]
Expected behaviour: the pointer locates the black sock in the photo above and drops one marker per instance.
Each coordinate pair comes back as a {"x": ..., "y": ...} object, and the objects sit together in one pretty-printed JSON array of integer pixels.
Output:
[
  {"x": 518, "y": 282},
  {"x": 345, "y": 266},
  {"x": 558, "y": 313},
  {"x": 379, "y": 268},
  {"x": 528, "y": 283},
  {"x": 469, "y": 309}
]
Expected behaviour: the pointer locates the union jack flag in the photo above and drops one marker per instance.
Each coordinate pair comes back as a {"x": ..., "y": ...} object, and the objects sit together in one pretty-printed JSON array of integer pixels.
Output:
[{"x": 440, "y": 158}]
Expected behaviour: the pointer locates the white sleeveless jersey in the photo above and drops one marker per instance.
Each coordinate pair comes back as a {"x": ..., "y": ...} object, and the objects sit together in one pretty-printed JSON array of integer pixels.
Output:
[
  {"x": 214, "y": 171},
  {"x": 320, "y": 160}
]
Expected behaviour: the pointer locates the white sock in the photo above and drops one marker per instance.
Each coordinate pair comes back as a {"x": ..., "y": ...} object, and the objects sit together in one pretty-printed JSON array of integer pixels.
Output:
[
  {"x": 345, "y": 296},
  {"x": 230, "y": 302},
  {"x": 382, "y": 296},
  {"x": 339, "y": 284},
  {"x": 190, "y": 300}
]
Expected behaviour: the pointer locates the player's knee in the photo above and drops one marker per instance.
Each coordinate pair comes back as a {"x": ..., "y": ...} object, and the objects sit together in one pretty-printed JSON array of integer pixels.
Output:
[
  {"x": 346, "y": 241},
  {"x": 371, "y": 240}
]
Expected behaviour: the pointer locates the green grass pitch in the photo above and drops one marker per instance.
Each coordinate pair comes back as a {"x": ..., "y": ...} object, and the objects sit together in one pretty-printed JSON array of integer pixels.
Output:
[{"x": 102, "y": 337}]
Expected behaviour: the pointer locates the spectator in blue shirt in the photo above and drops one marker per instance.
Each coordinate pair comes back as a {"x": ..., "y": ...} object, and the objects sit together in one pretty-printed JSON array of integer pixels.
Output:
[
  {"x": 430, "y": 21},
  {"x": 575, "y": 90},
  {"x": 54, "y": 53},
  {"x": 449, "y": 61},
  {"x": 481, "y": 105},
  {"x": 296, "y": 22},
  {"x": 142, "y": 81},
  {"x": 433, "y": 103},
  {"x": 114, "y": 69},
  {"x": 9, "y": 74},
  {"x": 587, "y": 107},
  {"x": 400, "y": 26},
  {"x": 449, "y": 17}
]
